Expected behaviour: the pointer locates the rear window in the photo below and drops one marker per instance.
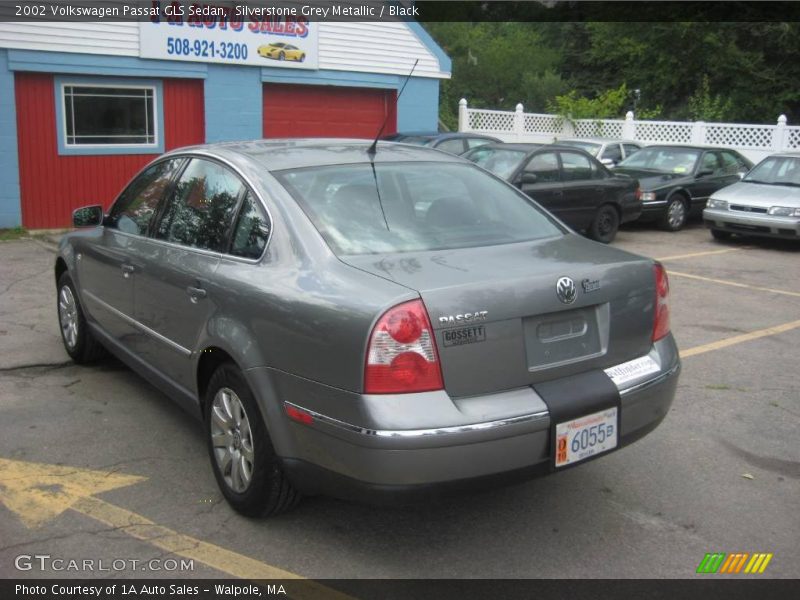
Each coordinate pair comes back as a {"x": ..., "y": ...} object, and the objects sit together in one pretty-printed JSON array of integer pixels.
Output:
[{"x": 414, "y": 207}]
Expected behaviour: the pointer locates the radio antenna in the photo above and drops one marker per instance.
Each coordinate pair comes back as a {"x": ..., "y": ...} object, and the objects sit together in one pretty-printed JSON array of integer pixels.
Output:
[{"x": 374, "y": 147}]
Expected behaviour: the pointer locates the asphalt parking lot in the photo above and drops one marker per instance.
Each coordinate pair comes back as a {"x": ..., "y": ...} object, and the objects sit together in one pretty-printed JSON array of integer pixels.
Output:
[{"x": 96, "y": 464}]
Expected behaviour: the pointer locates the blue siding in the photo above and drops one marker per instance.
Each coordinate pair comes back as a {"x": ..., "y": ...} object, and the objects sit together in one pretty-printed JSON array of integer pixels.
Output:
[
  {"x": 10, "y": 211},
  {"x": 99, "y": 64},
  {"x": 418, "y": 107},
  {"x": 233, "y": 103}
]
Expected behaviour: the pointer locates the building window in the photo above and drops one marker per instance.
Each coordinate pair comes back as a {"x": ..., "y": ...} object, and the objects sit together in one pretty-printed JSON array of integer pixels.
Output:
[{"x": 107, "y": 116}]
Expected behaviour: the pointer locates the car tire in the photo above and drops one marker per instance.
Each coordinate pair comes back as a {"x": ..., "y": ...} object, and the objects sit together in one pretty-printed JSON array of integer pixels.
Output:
[
  {"x": 245, "y": 465},
  {"x": 78, "y": 340},
  {"x": 675, "y": 214},
  {"x": 302, "y": 58},
  {"x": 721, "y": 236},
  {"x": 281, "y": 56},
  {"x": 605, "y": 225}
]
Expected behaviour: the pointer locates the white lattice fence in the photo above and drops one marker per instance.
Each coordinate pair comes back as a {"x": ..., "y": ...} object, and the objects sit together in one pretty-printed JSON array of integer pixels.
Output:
[
  {"x": 491, "y": 120},
  {"x": 673, "y": 132},
  {"x": 792, "y": 141},
  {"x": 598, "y": 128},
  {"x": 542, "y": 124},
  {"x": 740, "y": 136},
  {"x": 754, "y": 141}
]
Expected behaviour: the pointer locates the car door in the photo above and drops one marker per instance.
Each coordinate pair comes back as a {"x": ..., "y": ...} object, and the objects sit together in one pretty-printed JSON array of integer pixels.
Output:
[
  {"x": 540, "y": 178},
  {"x": 709, "y": 177},
  {"x": 173, "y": 295},
  {"x": 106, "y": 266},
  {"x": 584, "y": 189}
]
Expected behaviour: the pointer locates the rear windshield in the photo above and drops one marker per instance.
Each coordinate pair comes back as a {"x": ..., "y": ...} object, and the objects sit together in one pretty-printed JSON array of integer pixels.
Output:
[{"x": 421, "y": 206}]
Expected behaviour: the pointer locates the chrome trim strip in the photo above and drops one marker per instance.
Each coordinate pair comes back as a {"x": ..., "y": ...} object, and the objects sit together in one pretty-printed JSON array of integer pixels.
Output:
[
  {"x": 419, "y": 433},
  {"x": 144, "y": 328},
  {"x": 660, "y": 378}
]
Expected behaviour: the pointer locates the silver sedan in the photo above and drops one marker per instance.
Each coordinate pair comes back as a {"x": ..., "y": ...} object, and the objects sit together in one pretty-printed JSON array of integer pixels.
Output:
[{"x": 765, "y": 203}]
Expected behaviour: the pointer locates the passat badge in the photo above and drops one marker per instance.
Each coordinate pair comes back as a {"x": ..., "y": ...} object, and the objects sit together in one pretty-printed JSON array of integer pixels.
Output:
[
  {"x": 565, "y": 290},
  {"x": 590, "y": 285}
]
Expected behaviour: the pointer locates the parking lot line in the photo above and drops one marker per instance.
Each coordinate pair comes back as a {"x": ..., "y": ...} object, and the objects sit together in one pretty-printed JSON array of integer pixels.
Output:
[
  {"x": 696, "y": 254},
  {"x": 732, "y": 283},
  {"x": 738, "y": 339}
]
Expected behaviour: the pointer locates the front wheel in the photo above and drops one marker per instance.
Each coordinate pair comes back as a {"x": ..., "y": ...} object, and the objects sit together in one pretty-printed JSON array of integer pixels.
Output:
[
  {"x": 675, "y": 215},
  {"x": 78, "y": 340},
  {"x": 245, "y": 465},
  {"x": 282, "y": 56},
  {"x": 605, "y": 225}
]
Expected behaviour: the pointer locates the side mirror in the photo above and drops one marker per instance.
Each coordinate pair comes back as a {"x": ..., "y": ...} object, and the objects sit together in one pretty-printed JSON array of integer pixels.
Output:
[
  {"x": 528, "y": 178},
  {"x": 88, "y": 216},
  {"x": 741, "y": 174},
  {"x": 607, "y": 162},
  {"x": 705, "y": 172}
]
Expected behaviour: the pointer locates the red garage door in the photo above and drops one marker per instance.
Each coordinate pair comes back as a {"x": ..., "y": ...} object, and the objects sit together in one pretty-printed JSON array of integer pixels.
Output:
[{"x": 325, "y": 111}]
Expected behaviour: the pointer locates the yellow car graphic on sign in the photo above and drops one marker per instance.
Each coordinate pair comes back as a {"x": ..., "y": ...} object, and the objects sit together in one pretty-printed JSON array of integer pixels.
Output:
[{"x": 281, "y": 51}]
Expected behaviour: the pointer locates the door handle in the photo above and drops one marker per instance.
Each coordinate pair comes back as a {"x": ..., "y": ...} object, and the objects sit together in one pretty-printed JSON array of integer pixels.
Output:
[
  {"x": 196, "y": 293},
  {"x": 127, "y": 270}
]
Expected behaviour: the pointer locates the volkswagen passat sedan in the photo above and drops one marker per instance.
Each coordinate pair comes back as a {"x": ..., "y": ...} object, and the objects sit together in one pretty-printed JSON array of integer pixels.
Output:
[
  {"x": 367, "y": 324},
  {"x": 765, "y": 203}
]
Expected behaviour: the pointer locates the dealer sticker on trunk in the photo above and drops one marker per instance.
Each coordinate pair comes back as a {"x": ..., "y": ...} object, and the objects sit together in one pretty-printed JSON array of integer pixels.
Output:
[
  {"x": 633, "y": 369},
  {"x": 586, "y": 436}
]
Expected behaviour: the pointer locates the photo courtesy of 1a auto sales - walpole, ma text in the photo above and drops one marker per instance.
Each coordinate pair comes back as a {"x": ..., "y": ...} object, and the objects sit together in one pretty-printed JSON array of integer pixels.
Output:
[{"x": 407, "y": 299}]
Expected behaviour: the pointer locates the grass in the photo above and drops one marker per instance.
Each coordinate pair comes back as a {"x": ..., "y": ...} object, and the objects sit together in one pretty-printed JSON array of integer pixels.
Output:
[{"x": 14, "y": 233}]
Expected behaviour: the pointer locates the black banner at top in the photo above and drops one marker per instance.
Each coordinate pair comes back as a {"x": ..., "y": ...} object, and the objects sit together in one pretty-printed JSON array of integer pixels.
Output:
[{"x": 377, "y": 10}]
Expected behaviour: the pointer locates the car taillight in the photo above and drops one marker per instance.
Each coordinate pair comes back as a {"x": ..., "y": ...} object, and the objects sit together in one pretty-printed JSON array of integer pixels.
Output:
[
  {"x": 401, "y": 355},
  {"x": 637, "y": 195},
  {"x": 661, "y": 323}
]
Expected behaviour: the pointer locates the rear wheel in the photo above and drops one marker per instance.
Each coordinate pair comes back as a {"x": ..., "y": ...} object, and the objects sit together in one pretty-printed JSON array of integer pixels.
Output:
[
  {"x": 675, "y": 214},
  {"x": 245, "y": 465},
  {"x": 79, "y": 343},
  {"x": 605, "y": 225},
  {"x": 720, "y": 235},
  {"x": 282, "y": 56}
]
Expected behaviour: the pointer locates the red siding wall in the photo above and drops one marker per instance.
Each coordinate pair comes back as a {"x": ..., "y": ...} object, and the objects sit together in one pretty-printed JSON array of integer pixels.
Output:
[
  {"x": 52, "y": 186},
  {"x": 325, "y": 111}
]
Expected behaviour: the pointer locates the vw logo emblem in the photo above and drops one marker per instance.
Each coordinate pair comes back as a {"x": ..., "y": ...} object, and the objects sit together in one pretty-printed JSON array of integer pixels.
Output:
[{"x": 565, "y": 290}]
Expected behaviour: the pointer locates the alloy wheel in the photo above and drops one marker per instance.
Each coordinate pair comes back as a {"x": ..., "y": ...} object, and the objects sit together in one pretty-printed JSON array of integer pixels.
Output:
[
  {"x": 68, "y": 316},
  {"x": 232, "y": 440}
]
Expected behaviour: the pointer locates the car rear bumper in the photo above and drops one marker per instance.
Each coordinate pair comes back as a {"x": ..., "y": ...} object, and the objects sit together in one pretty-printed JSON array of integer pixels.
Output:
[
  {"x": 752, "y": 223},
  {"x": 396, "y": 464}
]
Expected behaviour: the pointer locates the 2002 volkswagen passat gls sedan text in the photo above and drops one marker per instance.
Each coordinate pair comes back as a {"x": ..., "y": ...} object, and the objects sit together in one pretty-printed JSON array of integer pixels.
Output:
[{"x": 366, "y": 323}]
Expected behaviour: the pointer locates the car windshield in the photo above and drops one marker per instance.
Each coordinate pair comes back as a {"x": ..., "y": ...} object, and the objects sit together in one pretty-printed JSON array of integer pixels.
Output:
[
  {"x": 663, "y": 160},
  {"x": 500, "y": 161},
  {"x": 421, "y": 206},
  {"x": 590, "y": 147},
  {"x": 776, "y": 170}
]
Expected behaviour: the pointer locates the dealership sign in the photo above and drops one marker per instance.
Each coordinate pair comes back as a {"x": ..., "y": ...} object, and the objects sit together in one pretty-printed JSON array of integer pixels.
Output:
[{"x": 230, "y": 34}]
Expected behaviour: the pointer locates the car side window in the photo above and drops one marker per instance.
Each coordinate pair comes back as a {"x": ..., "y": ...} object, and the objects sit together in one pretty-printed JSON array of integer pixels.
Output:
[
  {"x": 544, "y": 166},
  {"x": 710, "y": 162},
  {"x": 477, "y": 142},
  {"x": 252, "y": 230},
  {"x": 630, "y": 149},
  {"x": 575, "y": 167},
  {"x": 201, "y": 208},
  {"x": 613, "y": 152},
  {"x": 731, "y": 163},
  {"x": 135, "y": 207},
  {"x": 454, "y": 146}
]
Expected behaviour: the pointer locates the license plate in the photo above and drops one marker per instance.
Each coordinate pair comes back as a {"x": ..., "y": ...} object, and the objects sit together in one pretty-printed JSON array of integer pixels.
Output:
[{"x": 581, "y": 438}]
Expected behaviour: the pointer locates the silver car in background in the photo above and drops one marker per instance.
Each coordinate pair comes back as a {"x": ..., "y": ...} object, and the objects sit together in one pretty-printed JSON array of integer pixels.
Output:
[
  {"x": 765, "y": 203},
  {"x": 366, "y": 321}
]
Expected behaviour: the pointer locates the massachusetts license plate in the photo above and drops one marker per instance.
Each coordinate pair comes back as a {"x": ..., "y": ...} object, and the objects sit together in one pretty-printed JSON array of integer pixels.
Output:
[{"x": 586, "y": 436}]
